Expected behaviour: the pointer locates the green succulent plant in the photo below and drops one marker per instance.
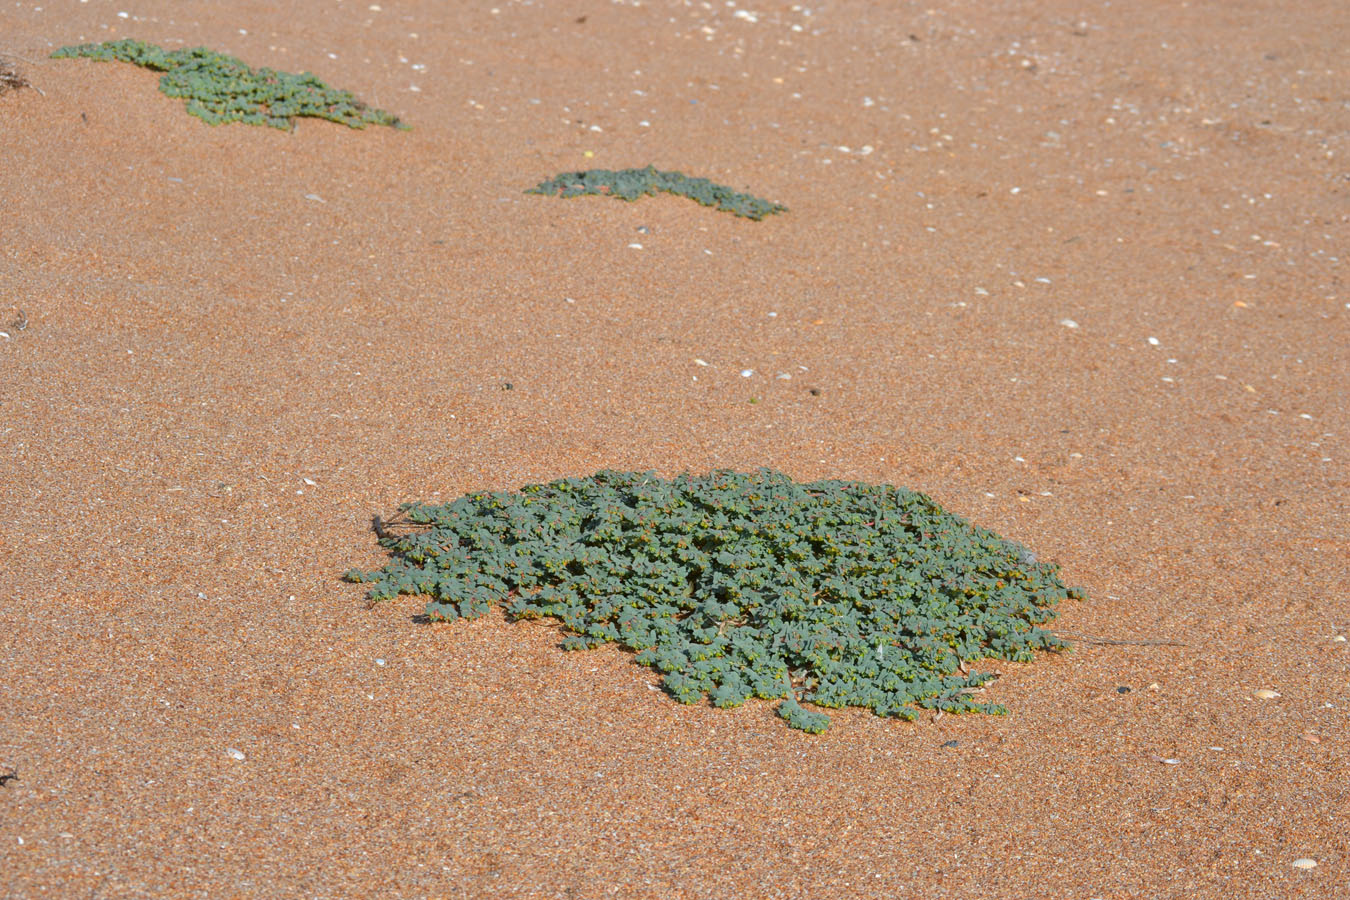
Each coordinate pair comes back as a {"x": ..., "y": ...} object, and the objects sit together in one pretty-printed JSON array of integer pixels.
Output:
[
  {"x": 630, "y": 184},
  {"x": 220, "y": 88},
  {"x": 833, "y": 593}
]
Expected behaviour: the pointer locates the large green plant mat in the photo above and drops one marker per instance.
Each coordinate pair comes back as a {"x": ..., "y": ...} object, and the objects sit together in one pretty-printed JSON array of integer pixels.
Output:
[{"x": 834, "y": 593}]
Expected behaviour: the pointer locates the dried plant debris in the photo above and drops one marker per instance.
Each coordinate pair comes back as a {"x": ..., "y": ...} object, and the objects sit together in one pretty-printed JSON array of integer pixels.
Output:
[
  {"x": 630, "y": 184},
  {"x": 10, "y": 79},
  {"x": 220, "y": 88},
  {"x": 833, "y": 593}
]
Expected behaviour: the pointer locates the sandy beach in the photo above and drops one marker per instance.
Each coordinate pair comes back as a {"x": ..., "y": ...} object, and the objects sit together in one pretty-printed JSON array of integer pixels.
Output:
[{"x": 1077, "y": 272}]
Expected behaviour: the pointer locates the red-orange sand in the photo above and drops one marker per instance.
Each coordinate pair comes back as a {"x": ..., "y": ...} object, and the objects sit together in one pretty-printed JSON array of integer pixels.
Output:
[{"x": 1078, "y": 271}]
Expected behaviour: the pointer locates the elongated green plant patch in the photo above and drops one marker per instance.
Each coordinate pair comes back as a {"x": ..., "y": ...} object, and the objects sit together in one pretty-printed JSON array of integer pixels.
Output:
[
  {"x": 833, "y": 593},
  {"x": 220, "y": 88},
  {"x": 630, "y": 184}
]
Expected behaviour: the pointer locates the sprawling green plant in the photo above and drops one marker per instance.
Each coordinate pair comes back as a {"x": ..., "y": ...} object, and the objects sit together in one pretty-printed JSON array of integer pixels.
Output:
[
  {"x": 630, "y": 184},
  {"x": 837, "y": 593},
  {"x": 221, "y": 88}
]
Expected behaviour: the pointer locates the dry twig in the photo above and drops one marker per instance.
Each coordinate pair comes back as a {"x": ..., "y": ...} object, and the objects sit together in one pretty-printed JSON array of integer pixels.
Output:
[
  {"x": 11, "y": 80},
  {"x": 1089, "y": 639}
]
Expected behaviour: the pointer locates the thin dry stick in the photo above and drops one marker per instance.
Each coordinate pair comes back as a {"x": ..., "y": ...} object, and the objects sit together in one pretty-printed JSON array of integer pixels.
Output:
[
  {"x": 1089, "y": 639},
  {"x": 382, "y": 526},
  {"x": 7, "y": 55}
]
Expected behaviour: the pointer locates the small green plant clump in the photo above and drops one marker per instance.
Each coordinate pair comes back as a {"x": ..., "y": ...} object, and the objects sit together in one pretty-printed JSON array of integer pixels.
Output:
[
  {"x": 630, "y": 184},
  {"x": 220, "y": 88},
  {"x": 733, "y": 586}
]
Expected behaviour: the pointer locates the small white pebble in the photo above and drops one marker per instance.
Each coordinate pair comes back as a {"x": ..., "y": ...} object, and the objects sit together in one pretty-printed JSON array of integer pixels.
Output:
[
  {"x": 309, "y": 482},
  {"x": 1266, "y": 694},
  {"x": 1169, "y": 761},
  {"x": 1153, "y": 341},
  {"x": 1068, "y": 323},
  {"x": 746, "y": 373},
  {"x": 236, "y": 754},
  {"x": 379, "y": 662},
  {"x": 1340, "y": 639},
  {"x": 634, "y": 246},
  {"x": 700, "y": 362},
  {"x": 316, "y": 198}
]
